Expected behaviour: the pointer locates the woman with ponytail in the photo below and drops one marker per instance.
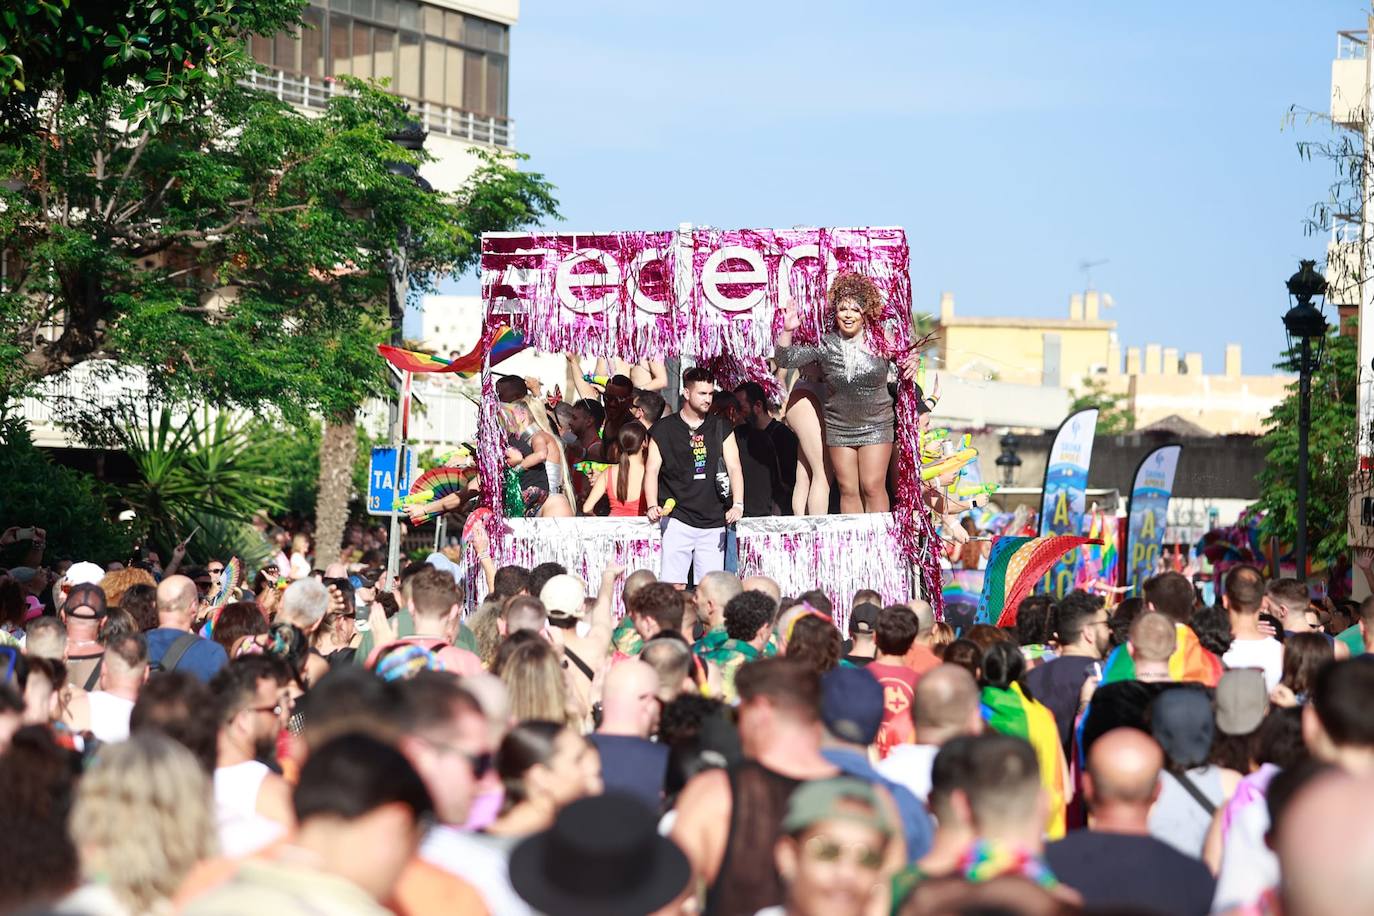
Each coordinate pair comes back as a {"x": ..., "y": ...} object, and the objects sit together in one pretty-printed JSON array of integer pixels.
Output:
[{"x": 623, "y": 483}]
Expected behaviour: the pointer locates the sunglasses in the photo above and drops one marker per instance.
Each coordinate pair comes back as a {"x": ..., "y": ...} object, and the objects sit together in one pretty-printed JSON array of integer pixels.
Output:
[
  {"x": 216, "y": 570},
  {"x": 824, "y": 849},
  {"x": 481, "y": 763}
]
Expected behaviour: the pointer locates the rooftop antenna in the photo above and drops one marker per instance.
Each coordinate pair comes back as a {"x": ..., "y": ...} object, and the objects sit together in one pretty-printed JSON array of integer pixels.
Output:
[{"x": 1087, "y": 268}]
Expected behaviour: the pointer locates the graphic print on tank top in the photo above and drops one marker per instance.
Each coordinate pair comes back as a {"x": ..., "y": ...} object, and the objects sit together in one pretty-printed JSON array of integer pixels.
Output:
[{"x": 696, "y": 440}]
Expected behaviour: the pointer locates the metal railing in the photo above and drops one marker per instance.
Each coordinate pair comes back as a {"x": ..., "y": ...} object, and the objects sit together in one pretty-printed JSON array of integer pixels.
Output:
[
  {"x": 1352, "y": 45},
  {"x": 315, "y": 92}
]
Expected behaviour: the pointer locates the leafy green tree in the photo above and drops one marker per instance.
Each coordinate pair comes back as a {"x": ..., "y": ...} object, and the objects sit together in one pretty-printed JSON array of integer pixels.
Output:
[
  {"x": 1331, "y": 454},
  {"x": 166, "y": 50},
  {"x": 1114, "y": 415},
  {"x": 73, "y": 507},
  {"x": 237, "y": 251}
]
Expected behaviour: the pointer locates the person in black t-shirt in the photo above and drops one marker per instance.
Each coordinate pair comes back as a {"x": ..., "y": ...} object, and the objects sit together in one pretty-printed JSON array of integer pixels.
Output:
[
  {"x": 767, "y": 454},
  {"x": 691, "y": 456},
  {"x": 1116, "y": 863},
  {"x": 1081, "y": 628}
]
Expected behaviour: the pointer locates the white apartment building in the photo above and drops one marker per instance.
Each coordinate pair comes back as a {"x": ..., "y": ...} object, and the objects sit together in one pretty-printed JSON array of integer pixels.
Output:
[{"x": 450, "y": 59}]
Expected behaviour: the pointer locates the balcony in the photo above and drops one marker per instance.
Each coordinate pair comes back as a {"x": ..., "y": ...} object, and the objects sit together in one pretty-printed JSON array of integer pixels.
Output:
[
  {"x": 1350, "y": 79},
  {"x": 315, "y": 92},
  {"x": 1343, "y": 264}
]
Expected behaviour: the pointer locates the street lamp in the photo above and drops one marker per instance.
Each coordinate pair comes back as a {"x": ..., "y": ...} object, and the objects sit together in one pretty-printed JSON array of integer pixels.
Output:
[
  {"x": 1305, "y": 324},
  {"x": 409, "y": 135},
  {"x": 1009, "y": 461}
]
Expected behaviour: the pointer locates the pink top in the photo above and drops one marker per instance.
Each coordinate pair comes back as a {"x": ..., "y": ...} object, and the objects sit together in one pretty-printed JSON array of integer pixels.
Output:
[{"x": 618, "y": 508}]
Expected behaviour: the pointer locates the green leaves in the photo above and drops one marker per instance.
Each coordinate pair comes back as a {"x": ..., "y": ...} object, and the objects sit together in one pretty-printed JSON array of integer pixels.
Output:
[
  {"x": 1113, "y": 417},
  {"x": 1331, "y": 455},
  {"x": 190, "y": 467}
]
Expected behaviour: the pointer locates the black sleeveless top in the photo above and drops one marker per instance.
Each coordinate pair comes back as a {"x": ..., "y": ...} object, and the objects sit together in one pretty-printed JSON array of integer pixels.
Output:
[
  {"x": 536, "y": 476},
  {"x": 748, "y": 880}
]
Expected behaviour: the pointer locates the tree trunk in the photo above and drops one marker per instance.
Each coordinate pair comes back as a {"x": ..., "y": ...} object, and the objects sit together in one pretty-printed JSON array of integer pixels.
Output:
[{"x": 338, "y": 450}]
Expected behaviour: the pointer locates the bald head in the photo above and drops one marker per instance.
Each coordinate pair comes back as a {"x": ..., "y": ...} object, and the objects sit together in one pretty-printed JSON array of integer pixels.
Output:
[
  {"x": 629, "y": 699},
  {"x": 925, "y": 616},
  {"x": 1123, "y": 769},
  {"x": 713, "y": 593},
  {"x": 1325, "y": 846},
  {"x": 524, "y": 613},
  {"x": 946, "y": 705},
  {"x": 1152, "y": 638},
  {"x": 636, "y": 581},
  {"x": 763, "y": 584},
  {"x": 176, "y": 602}
]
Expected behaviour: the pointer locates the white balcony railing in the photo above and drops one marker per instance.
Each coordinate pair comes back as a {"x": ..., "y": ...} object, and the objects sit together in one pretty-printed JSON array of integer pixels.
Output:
[
  {"x": 1352, "y": 45},
  {"x": 315, "y": 92}
]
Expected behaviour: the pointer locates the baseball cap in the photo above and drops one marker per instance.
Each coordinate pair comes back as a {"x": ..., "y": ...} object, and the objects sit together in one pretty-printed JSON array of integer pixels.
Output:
[
  {"x": 863, "y": 619},
  {"x": 1241, "y": 701},
  {"x": 86, "y": 596},
  {"x": 1181, "y": 721},
  {"x": 563, "y": 595},
  {"x": 825, "y": 799},
  {"x": 851, "y": 704},
  {"x": 24, "y": 574},
  {"x": 83, "y": 573}
]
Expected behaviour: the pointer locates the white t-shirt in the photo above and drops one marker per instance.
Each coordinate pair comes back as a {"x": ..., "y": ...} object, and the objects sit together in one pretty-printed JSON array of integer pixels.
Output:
[
  {"x": 478, "y": 862},
  {"x": 109, "y": 716},
  {"x": 909, "y": 765},
  {"x": 242, "y": 830},
  {"x": 1265, "y": 653}
]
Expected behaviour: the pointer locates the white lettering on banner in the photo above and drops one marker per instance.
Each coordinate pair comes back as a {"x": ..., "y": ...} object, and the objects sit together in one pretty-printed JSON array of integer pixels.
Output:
[
  {"x": 712, "y": 277},
  {"x": 642, "y": 260},
  {"x": 792, "y": 256},
  {"x": 607, "y": 278}
]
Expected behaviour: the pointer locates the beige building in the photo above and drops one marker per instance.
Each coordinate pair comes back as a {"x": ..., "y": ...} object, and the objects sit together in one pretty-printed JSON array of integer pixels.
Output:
[{"x": 1060, "y": 353}]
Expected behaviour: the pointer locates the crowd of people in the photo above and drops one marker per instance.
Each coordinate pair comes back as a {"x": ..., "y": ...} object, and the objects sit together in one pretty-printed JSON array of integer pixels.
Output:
[{"x": 338, "y": 746}]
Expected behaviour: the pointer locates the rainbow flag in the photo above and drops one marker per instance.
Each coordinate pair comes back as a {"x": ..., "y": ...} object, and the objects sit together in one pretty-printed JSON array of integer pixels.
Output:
[
  {"x": 414, "y": 360},
  {"x": 505, "y": 343},
  {"x": 1014, "y": 566},
  {"x": 1011, "y": 712},
  {"x": 1190, "y": 661}
]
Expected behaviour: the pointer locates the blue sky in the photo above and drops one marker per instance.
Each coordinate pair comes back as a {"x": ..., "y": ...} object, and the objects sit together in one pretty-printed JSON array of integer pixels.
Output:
[{"x": 1012, "y": 140}]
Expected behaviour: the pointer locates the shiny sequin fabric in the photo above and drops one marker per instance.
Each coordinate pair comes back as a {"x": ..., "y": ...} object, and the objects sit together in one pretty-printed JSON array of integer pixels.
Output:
[{"x": 858, "y": 410}]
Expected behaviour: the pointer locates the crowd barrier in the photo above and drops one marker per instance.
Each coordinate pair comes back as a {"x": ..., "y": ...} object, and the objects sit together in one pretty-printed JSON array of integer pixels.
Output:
[{"x": 838, "y": 554}]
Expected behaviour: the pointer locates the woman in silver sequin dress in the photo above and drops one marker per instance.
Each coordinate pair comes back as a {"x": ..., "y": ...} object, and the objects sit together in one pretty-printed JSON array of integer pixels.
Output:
[{"x": 859, "y": 416}]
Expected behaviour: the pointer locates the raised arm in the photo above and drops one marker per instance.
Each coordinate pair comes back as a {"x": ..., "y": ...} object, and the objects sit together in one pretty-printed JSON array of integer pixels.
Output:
[
  {"x": 786, "y": 356},
  {"x": 584, "y": 388},
  {"x": 602, "y": 618},
  {"x": 598, "y": 490}
]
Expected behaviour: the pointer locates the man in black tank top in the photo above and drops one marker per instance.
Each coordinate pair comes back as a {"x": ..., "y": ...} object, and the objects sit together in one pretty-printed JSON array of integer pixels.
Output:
[{"x": 729, "y": 820}]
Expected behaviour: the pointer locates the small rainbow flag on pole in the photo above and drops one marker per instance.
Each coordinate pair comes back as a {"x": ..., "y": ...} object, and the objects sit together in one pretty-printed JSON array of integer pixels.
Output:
[{"x": 505, "y": 343}]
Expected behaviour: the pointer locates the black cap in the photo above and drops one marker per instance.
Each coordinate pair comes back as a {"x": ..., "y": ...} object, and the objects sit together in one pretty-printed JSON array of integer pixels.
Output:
[{"x": 863, "y": 619}]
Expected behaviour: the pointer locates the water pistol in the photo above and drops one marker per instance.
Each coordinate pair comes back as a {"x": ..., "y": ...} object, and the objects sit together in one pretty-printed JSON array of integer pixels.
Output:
[
  {"x": 591, "y": 468},
  {"x": 596, "y": 379},
  {"x": 669, "y": 506},
  {"x": 418, "y": 498}
]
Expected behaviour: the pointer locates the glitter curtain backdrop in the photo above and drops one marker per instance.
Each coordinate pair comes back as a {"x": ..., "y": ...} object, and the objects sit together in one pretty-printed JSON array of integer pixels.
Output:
[{"x": 711, "y": 296}]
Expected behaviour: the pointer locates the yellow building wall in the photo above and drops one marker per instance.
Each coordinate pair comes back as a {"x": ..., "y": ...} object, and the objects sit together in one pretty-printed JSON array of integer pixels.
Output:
[{"x": 1016, "y": 354}]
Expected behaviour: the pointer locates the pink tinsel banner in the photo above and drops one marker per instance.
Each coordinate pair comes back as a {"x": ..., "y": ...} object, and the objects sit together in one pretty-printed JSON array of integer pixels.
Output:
[
  {"x": 715, "y": 296},
  {"x": 838, "y": 554},
  {"x": 700, "y": 292}
]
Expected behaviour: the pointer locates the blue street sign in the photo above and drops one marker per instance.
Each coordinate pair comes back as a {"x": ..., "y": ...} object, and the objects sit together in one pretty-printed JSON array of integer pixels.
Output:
[{"x": 381, "y": 494}]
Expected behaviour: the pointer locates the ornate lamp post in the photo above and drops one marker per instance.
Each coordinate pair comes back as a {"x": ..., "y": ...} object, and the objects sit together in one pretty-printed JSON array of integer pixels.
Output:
[
  {"x": 1306, "y": 327},
  {"x": 1009, "y": 461}
]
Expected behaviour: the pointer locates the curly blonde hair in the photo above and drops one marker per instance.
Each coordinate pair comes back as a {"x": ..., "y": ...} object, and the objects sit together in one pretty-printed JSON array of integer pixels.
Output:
[
  {"x": 862, "y": 290},
  {"x": 142, "y": 819},
  {"x": 116, "y": 583}
]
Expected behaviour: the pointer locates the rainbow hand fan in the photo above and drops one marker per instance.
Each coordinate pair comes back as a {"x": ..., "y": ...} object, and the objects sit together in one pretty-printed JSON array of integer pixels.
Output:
[
  {"x": 436, "y": 483},
  {"x": 1014, "y": 566},
  {"x": 231, "y": 577}
]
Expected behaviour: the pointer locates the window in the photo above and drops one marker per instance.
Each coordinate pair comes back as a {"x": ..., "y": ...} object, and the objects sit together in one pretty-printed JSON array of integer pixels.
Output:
[
  {"x": 408, "y": 65},
  {"x": 431, "y": 54},
  {"x": 362, "y": 51},
  {"x": 340, "y": 45}
]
